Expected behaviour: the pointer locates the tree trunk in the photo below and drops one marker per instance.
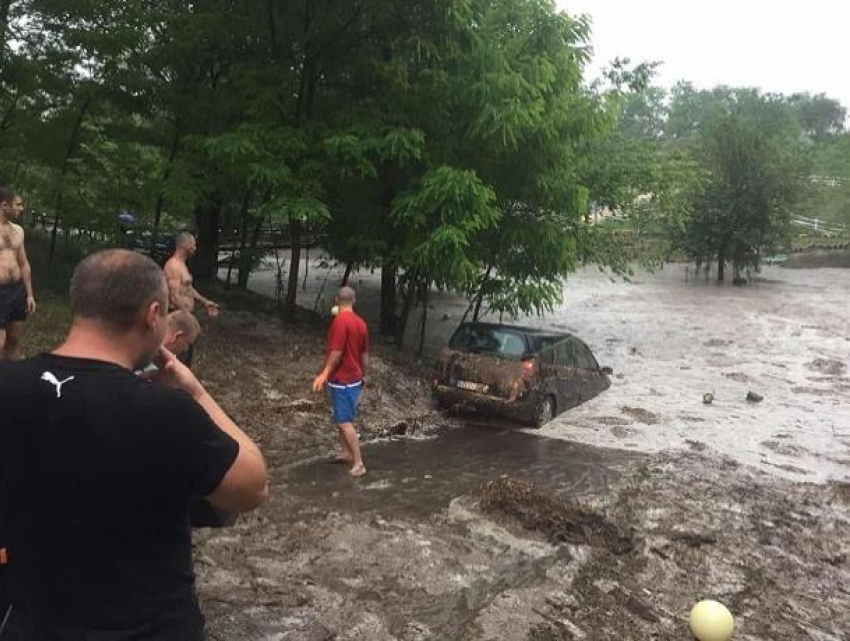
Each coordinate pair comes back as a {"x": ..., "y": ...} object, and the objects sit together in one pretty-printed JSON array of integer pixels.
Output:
[
  {"x": 5, "y": 5},
  {"x": 409, "y": 297},
  {"x": 480, "y": 298},
  {"x": 477, "y": 313},
  {"x": 468, "y": 309},
  {"x": 160, "y": 199},
  {"x": 389, "y": 299},
  {"x": 54, "y": 231},
  {"x": 294, "y": 266},
  {"x": 425, "y": 290},
  {"x": 207, "y": 216},
  {"x": 243, "y": 238},
  {"x": 270, "y": 13},
  {"x": 721, "y": 263},
  {"x": 60, "y": 196},
  {"x": 245, "y": 273},
  {"x": 389, "y": 267},
  {"x": 303, "y": 111},
  {"x": 6, "y": 120},
  {"x": 230, "y": 262},
  {"x": 348, "y": 267}
]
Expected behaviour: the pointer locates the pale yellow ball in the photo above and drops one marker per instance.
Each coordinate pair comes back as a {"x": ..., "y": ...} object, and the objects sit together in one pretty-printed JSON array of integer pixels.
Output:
[
  {"x": 334, "y": 310},
  {"x": 711, "y": 621}
]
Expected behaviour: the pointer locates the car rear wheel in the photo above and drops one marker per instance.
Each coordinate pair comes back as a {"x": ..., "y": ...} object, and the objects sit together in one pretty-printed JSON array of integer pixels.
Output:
[{"x": 546, "y": 412}]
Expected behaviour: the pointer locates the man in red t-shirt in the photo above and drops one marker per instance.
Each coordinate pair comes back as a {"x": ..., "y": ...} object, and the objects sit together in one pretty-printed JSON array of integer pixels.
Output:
[{"x": 347, "y": 359}]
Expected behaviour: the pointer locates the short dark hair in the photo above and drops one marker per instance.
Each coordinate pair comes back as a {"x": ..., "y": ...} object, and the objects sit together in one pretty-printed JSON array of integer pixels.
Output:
[
  {"x": 115, "y": 285},
  {"x": 346, "y": 295},
  {"x": 7, "y": 195}
]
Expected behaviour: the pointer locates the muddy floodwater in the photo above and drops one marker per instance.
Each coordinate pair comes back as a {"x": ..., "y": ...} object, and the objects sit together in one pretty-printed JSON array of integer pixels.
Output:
[
  {"x": 419, "y": 478},
  {"x": 608, "y": 523},
  {"x": 672, "y": 337}
]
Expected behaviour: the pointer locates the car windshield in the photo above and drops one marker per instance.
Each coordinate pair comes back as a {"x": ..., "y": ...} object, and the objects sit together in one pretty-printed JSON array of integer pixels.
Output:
[{"x": 488, "y": 340}]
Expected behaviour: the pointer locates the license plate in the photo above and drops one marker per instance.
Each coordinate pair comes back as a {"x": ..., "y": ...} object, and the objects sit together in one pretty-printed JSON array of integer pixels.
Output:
[{"x": 481, "y": 388}]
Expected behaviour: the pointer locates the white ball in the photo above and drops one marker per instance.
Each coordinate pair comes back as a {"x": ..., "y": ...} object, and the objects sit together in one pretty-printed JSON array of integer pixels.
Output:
[
  {"x": 334, "y": 310},
  {"x": 712, "y": 621}
]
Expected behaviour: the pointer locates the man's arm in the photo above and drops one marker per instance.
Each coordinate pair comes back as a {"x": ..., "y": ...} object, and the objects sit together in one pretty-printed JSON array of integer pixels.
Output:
[
  {"x": 365, "y": 358},
  {"x": 245, "y": 485},
  {"x": 26, "y": 272},
  {"x": 331, "y": 363},
  {"x": 210, "y": 306}
]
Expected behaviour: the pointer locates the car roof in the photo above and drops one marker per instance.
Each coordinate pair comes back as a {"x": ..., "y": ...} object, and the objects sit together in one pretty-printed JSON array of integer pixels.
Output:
[{"x": 534, "y": 331}]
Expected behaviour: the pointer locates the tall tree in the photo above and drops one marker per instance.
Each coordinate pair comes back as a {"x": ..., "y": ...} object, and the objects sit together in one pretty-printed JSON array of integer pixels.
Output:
[
  {"x": 820, "y": 117},
  {"x": 757, "y": 170}
]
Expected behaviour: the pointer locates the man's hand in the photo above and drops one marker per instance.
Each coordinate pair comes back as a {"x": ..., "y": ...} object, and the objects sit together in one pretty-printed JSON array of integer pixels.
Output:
[
  {"x": 175, "y": 374},
  {"x": 212, "y": 308},
  {"x": 319, "y": 383},
  {"x": 30, "y": 305}
]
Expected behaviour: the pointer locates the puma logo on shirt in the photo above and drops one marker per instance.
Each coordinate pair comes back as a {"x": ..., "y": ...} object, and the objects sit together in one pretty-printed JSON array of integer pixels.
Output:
[{"x": 50, "y": 378}]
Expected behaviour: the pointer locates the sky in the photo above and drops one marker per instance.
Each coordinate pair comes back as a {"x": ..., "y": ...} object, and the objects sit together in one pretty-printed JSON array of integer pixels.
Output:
[{"x": 782, "y": 46}]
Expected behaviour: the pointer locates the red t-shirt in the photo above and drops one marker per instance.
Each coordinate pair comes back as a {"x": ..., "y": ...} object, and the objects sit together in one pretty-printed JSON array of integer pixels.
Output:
[{"x": 348, "y": 334}]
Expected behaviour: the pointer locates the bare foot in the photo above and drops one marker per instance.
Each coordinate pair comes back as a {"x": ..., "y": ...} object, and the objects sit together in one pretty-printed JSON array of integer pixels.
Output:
[{"x": 357, "y": 470}]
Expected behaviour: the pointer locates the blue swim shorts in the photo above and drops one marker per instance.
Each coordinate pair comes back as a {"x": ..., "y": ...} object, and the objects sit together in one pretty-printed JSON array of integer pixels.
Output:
[{"x": 344, "y": 399}]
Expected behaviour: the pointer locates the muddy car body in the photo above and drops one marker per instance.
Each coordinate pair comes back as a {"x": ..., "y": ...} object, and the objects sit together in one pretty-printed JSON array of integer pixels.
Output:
[{"x": 525, "y": 374}]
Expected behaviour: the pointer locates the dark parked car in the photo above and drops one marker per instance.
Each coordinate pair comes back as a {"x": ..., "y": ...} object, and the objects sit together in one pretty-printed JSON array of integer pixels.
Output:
[{"x": 526, "y": 374}]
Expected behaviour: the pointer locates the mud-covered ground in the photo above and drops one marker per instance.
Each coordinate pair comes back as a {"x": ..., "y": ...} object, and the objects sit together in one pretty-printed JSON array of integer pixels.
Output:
[
  {"x": 467, "y": 532},
  {"x": 261, "y": 371},
  {"x": 672, "y": 337},
  {"x": 409, "y": 553}
]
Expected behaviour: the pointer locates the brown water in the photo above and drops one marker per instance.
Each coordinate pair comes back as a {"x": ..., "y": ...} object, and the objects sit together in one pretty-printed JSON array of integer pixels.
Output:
[
  {"x": 409, "y": 560},
  {"x": 419, "y": 478},
  {"x": 671, "y": 338},
  {"x": 398, "y": 555}
]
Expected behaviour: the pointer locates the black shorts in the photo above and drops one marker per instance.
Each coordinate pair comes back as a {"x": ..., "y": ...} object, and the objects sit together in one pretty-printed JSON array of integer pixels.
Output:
[{"x": 13, "y": 303}]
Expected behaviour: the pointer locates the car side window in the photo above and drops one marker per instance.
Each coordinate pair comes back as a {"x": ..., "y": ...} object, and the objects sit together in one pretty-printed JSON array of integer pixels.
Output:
[
  {"x": 585, "y": 358},
  {"x": 564, "y": 355}
]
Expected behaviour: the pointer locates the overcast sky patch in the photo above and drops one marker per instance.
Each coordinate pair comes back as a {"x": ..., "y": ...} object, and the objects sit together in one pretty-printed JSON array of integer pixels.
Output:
[{"x": 783, "y": 46}]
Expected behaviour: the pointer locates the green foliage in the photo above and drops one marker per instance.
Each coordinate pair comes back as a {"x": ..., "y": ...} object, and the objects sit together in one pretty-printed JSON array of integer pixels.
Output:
[
  {"x": 821, "y": 118},
  {"x": 441, "y": 217},
  {"x": 755, "y": 172},
  {"x": 455, "y": 142}
]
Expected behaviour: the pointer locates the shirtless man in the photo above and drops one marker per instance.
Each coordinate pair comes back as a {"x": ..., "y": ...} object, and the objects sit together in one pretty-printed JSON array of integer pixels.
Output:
[
  {"x": 16, "y": 296},
  {"x": 181, "y": 293}
]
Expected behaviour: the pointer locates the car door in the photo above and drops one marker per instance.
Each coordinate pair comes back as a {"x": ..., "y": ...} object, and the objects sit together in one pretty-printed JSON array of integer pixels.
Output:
[
  {"x": 567, "y": 381},
  {"x": 591, "y": 378}
]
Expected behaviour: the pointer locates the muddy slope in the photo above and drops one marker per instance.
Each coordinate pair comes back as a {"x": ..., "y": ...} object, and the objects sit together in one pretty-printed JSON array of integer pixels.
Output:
[
  {"x": 261, "y": 371},
  {"x": 598, "y": 546},
  {"x": 509, "y": 560}
]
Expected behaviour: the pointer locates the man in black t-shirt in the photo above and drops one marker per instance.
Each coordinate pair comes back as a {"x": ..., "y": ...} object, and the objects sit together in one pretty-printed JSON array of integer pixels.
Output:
[{"x": 98, "y": 467}]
